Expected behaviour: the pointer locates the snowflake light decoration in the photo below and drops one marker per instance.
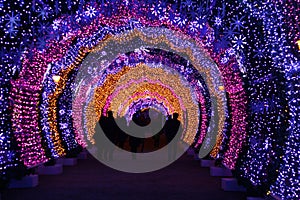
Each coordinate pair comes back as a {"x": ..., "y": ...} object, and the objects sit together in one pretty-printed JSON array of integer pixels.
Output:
[
  {"x": 218, "y": 21},
  {"x": 91, "y": 12},
  {"x": 238, "y": 23},
  {"x": 12, "y": 20},
  {"x": 239, "y": 42}
]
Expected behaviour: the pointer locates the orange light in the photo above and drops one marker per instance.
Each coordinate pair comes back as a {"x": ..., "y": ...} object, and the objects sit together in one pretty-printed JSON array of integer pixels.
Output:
[
  {"x": 221, "y": 88},
  {"x": 56, "y": 78}
]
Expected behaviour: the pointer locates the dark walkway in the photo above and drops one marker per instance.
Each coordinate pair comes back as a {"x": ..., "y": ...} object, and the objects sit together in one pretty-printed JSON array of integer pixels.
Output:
[{"x": 90, "y": 180}]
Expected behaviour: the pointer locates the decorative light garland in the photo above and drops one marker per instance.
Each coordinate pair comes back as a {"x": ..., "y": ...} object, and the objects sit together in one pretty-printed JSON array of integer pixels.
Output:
[{"x": 218, "y": 25}]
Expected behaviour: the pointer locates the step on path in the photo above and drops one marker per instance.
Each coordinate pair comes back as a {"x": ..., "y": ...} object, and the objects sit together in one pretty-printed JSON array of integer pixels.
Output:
[
  {"x": 29, "y": 181},
  {"x": 229, "y": 183}
]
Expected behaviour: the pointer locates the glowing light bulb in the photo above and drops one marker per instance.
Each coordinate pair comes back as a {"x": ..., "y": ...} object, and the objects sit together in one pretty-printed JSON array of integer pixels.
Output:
[
  {"x": 56, "y": 78},
  {"x": 298, "y": 42}
]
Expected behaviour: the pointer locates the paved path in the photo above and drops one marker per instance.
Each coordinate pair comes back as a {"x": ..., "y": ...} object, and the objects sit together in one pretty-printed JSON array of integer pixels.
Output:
[{"x": 91, "y": 180}]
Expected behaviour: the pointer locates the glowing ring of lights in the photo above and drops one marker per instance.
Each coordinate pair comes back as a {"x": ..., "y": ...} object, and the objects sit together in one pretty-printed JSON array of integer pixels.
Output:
[
  {"x": 69, "y": 39},
  {"x": 101, "y": 92},
  {"x": 137, "y": 95},
  {"x": 202, "y": 111},
  {"x": 122, "y": 87},
  {"x": 143, "y": 103},
  {"x": 218, "y": 99},
  {"x": 171, "y": 82}
]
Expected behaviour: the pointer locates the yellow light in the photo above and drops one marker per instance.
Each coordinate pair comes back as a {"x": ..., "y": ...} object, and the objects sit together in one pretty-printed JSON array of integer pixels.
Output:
[
  {"x": 298, "y": 42},
  {"x": 56, "y": 78},
  {"x": 221, "y": 88}
]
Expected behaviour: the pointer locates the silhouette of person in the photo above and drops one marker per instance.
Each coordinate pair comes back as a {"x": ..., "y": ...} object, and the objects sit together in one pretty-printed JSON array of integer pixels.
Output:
[
  {"x": 108, "y": 125},
  {"x": 156, "y": 139},
  {"x": 111, "y": 133},
  {"x": 167, "y": 127},
  {"x": 173, "y": 131},
  {"x": 135, "y": 142},
  {"x": 121, "y": 135},
  {"x": 157, "y": 122},
  {"x": 142, "y": 118},
  {"x": 99, "y": 137}
]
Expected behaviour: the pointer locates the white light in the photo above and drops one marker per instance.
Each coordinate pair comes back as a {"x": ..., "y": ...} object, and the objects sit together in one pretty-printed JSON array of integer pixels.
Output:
[{"x": 56, "y": 78}]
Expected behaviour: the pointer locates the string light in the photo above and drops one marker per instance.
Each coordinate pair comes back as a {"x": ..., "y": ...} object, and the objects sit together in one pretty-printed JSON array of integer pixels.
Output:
[
  {"x": 266, "y": 112},
  {"x": 56, "y": 78}
]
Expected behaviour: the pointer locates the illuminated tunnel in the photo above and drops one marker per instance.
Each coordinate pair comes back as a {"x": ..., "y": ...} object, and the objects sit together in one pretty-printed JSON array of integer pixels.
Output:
[{"x": 230, "y": 69}]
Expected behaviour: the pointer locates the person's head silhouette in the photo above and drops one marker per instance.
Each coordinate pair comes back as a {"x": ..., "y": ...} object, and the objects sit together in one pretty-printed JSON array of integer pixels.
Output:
[
  {"x": 110, "y": 113},
  {"x": 175, "y": 115}
]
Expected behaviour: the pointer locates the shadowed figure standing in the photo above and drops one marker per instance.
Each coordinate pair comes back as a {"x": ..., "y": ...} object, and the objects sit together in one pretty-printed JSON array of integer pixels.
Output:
[
  {"x": 134, "y": 142},
  {"x": 157, "y": 121},
  {"x": 121, "y": 135},
  {"x": 112, "y": 133},
  {"x": 173, "y": 131},
  {"x": 142, "y": 119},
  {"x": 108, "y": 125},
  {"x": 99, "y": 137}
]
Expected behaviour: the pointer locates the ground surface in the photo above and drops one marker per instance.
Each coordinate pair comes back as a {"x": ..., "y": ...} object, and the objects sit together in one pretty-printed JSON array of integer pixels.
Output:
[{"x": 90, "y": 180}]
